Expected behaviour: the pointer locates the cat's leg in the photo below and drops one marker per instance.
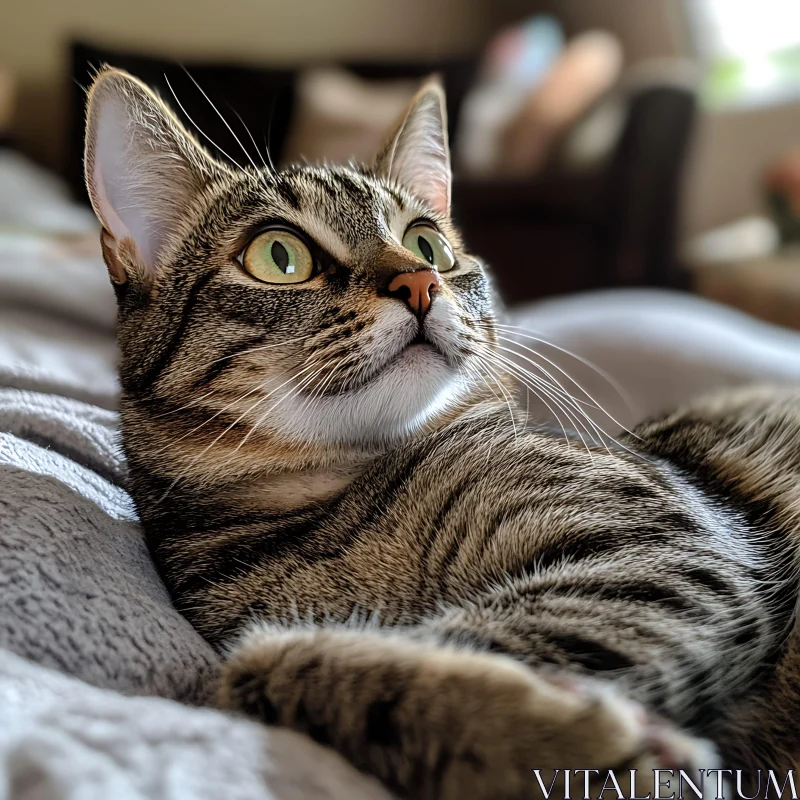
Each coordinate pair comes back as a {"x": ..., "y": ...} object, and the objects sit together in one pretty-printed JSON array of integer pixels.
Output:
[{"x": 444, "y": 721}]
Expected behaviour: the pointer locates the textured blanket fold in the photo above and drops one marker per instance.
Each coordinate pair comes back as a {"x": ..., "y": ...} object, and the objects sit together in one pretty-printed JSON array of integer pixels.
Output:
[
  {"x": 78, "y": 591},
  {"x": 63, "y": 740}
]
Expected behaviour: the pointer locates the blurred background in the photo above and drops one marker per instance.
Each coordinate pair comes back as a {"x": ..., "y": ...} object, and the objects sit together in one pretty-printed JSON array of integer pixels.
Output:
[{"x": 596, "y": 143}]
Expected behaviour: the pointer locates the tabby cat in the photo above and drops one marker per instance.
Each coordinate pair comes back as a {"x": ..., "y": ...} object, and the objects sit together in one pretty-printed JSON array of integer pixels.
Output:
[{"x": 342, "y": 496}]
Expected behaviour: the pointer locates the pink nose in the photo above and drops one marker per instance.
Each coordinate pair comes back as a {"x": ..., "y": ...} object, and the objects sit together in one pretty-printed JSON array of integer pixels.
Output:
[{"x": 416, "y": 289}]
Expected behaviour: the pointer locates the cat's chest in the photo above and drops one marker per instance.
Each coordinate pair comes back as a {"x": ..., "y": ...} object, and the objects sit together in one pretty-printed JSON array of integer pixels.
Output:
[{"x": 399, "y": 540}]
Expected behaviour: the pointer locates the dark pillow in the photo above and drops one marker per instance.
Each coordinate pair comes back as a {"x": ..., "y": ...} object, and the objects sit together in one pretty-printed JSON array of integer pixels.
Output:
[{"x": 261, "y": 96}]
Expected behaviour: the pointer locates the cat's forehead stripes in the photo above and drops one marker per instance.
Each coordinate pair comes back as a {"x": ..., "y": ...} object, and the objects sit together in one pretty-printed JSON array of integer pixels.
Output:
[
  {"x": 344, "y": 211},
  {"x": 356, "y": 206}
]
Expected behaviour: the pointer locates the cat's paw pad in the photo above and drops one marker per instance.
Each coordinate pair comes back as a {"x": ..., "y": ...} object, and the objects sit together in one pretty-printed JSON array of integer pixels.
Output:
[{"x": 672, "y": 749}]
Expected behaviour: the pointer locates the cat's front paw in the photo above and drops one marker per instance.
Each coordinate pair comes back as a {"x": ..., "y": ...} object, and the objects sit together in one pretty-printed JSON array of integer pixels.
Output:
[
  {"x": 566, "y": 723},
  {"x": 446, "y": 724}
]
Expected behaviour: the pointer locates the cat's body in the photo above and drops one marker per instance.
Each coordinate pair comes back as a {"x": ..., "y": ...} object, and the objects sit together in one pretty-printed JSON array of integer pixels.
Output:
[{"x": 352, "y": 484}]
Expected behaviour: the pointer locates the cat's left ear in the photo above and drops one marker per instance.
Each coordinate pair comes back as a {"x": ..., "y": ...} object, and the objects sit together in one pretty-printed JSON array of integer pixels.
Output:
[
  {"x": 417, "y": 154},
  {"x": 143, "y": 171}
]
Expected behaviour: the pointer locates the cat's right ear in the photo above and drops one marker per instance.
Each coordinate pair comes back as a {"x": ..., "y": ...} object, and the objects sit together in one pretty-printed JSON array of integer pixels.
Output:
[
  {"x": 142, "y": 171},
  {"x": 417, "y": 154}
]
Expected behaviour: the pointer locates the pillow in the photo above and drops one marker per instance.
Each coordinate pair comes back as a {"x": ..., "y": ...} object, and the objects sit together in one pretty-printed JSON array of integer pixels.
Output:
[
  {"x": 588, "y": 67},
  {"x": 339, "y": 116}
]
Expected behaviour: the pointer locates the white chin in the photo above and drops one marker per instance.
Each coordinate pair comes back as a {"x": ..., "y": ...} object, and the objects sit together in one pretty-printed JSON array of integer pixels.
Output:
[{"x": 417, "y": 385}]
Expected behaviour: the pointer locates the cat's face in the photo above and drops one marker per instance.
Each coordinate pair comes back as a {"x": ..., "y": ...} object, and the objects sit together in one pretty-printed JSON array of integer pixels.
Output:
[{"x": 319, "y": 304}]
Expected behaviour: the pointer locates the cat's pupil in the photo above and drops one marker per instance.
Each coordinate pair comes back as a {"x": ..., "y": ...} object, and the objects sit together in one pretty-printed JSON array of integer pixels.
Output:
[
  {"x": 281, "y": 257},
  {"x": 425, "y": 248}
]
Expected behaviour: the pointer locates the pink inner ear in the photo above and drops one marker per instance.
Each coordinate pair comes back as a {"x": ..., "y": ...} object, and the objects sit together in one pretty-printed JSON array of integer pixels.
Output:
[
  {"x": 420, "y": 160},
  {"x": 427, "y": 176},
  {"x": 127, "y": 195},
  {"x": 111, "y": 220},
  {"x": 438, "y": 195}
]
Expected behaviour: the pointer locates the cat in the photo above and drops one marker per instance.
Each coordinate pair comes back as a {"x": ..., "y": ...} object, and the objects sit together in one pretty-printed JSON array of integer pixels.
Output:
[{"x": 342, "y": 495}]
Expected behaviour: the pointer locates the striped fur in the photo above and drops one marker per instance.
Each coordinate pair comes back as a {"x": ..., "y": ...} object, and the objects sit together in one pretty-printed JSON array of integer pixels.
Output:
[{"x": 397, "y": 564}]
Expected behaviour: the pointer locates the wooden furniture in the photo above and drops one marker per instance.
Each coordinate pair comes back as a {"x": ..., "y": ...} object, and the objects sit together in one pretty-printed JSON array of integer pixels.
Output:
[
  {"x": 6, "y": 103},
  {"x": 615, "y": 226},
  {"x": 767, "y": 287}
]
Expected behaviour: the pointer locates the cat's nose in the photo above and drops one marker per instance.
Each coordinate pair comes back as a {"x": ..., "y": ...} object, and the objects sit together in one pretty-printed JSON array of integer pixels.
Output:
[{"x": 416, "y": 289}]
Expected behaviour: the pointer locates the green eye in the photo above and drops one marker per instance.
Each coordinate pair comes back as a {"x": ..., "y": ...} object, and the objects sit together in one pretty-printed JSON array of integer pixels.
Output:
[
  {"x": 430, "y": 246},
  {"x": 278, "y": 257}
]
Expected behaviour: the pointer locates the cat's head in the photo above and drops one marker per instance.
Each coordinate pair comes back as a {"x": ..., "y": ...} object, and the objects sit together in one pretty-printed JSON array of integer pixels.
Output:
[{"x": 319, "y": 304}]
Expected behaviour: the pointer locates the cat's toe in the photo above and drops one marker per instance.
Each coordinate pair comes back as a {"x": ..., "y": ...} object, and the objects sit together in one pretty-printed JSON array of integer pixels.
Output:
[
  {"x": 261, "y": 678},
  {"x": 675, "y": 750},
  {"x": 616, "y": 734}
]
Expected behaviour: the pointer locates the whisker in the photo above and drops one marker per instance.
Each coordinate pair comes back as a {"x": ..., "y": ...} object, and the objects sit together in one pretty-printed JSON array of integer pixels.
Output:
[
  {"x": 226, "y": 407},
  {"x": 247, "y": 130},
  {"x": 320, "y": 388},
  {"x": 541, "y": 386},
  {"x": 505, "y": 395},
  {"x": 224, "y": 121},
  {"x": 594, "y": 403},
  {"x": 517, "y": 330},
  {"x": 304, "y": 384},
  {"x": 574, "y": 419},
  {"x": 229, "y": 428},
  {"x": 550, "y": 409},
  {"x": 554, "y": 384},
  {"x": 599, "y": 433},
  {"x": 527, "y": 408},
  {"x": 483, "y": 378},
  {"x": 499, "y": 400},
  {"x": 212, "y": 417},
  {"x": 553, "y": 380},
  {"x": 289, "y": 392},
  {"x": 197, "y": 400},
  {"x": 488, "y": 352},
  {"x": 247, "y": 352},
  {"x": 350, "y": 358},
  {"x": 199, "y": 129},
  {"x": 194, "y": 402},
  {"x": 267, "y": 138},
  {"x": 507, "y": 338},
  {"x": 554, "y": 389}
]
